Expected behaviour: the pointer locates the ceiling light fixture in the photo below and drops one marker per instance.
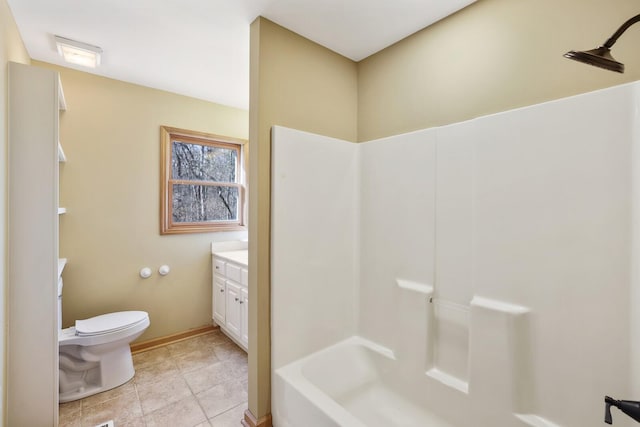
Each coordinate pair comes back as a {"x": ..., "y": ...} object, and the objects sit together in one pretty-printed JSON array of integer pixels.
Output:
[{"x": 75, "y": 52}]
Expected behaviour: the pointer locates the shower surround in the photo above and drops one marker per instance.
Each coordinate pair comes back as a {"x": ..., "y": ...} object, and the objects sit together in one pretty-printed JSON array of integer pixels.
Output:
[{"x": 483, "y": 273}]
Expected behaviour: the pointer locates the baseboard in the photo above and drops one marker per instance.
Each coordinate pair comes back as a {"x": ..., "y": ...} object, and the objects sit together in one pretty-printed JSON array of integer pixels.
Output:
[
  {"x": 251, "y": 421},
  {"x": 169, "y": 339}
]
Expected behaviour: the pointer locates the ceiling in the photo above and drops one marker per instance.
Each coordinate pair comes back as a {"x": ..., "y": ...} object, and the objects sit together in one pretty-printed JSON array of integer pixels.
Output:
[{"x": 200, "y": 48}]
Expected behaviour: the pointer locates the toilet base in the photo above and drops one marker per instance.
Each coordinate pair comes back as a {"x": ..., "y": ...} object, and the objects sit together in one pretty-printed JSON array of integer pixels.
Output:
[{"x": 84, "y": 373}]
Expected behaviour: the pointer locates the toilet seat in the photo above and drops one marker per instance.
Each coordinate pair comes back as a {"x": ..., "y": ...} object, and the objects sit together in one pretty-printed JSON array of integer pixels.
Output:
[
  {"x": 110, "y": 322},
  {"x": 105, "y": 329}
]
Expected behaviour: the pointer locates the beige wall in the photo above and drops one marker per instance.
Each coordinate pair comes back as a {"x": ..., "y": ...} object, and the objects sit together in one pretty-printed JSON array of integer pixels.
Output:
[
  {"x": 493, "y": 56},
  {"x": 110, "y": 185},
  {"x": 11, "y": 49},
  {"x": 299, "y": 84}
]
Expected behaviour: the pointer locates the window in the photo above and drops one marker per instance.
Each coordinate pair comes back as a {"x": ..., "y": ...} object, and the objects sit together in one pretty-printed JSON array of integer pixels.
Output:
[{"x": 202, "y": 182}]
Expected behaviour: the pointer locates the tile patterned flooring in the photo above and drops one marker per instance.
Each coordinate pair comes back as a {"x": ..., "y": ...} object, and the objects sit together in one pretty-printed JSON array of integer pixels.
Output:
[{"x": 198, "y": 382}]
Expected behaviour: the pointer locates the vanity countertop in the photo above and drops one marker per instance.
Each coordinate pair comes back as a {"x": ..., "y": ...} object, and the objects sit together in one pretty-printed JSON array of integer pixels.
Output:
[{"x": 240, "y": 257}]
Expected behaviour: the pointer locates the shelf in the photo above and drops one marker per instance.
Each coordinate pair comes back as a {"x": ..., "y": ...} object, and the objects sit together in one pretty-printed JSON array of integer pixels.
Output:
[
  {"x": 61, "y": 156},
  {"x": 61, "y": 264},
  {"x": 62, "y": 103}
]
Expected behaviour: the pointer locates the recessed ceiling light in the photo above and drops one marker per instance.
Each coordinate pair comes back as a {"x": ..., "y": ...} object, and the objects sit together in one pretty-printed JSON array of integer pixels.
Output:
[{"x": 75, "y": 52}]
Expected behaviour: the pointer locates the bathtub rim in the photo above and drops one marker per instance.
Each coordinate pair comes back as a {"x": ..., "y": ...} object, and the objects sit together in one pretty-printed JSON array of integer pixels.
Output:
[{"x": 292, "y": 375}]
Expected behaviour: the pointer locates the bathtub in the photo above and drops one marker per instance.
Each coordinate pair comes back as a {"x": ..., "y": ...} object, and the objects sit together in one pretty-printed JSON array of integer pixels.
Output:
[{"x": 353, "y": 383}]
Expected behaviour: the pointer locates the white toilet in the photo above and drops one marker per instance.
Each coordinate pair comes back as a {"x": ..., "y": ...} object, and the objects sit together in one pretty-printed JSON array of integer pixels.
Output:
[{"x": 94, "y": 354}]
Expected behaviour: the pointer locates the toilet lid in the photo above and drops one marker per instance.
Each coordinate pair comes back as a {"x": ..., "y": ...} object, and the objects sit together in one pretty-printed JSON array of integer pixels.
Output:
[{"x": 110, "y": 322}]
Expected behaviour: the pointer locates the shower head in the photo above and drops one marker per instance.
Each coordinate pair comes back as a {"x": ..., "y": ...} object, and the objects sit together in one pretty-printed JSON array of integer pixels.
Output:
[{"x": 601, "y": 56}]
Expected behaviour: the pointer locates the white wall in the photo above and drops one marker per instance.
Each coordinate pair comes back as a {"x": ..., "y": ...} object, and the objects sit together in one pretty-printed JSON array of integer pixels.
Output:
[
  {"x": 313, "y": 243},
  {"x": 523, "y": 222},
  {"x": 397, "y": 227},
  {"x": 551, "y": 230}
]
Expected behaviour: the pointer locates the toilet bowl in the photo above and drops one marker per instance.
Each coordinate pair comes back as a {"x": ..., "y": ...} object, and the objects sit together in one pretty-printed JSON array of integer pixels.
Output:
[{"x": 95, "y": 355}]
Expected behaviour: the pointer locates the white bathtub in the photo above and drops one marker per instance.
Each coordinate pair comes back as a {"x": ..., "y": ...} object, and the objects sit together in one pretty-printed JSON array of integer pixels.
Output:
[{"x": 350, "y": 384}]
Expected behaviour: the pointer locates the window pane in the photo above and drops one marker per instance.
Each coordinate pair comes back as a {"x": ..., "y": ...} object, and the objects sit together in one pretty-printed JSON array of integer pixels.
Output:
[
  {"x": 202, "y": 203},
  {"x": 203, "y": 162}
]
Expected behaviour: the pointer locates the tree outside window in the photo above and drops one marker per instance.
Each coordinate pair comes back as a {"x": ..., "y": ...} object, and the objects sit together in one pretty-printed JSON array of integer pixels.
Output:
[{"x": 202, "y": 187}]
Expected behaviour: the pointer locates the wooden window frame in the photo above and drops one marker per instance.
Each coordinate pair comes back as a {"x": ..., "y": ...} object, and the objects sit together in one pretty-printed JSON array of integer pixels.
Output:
[{"x": 167, "y": 136}]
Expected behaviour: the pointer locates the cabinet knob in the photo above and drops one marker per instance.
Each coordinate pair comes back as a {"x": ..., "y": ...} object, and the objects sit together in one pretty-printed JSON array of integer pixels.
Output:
[
  {"x": 241, "y": 301},
  {"x": 236, "y": 299},
  {"x": 221, "y": 290}
]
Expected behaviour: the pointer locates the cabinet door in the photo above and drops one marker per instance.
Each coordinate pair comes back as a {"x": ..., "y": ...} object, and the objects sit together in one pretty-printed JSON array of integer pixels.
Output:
[
  {"x": 219, "y": 301},
  {"x": 218, "y": 267},
  {"x": 233, "y": 318},
  {"x": 233, "y": 272},
  {"x": 244, "y": 313}
]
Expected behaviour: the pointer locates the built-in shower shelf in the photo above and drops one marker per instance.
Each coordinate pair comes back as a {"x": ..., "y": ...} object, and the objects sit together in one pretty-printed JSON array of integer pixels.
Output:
[
  {"x": 448, "y": 380},
  {"x": 500, "y": 306},
  {"x": 535, "y": 420},
  {"x": 421, "y": 288}
]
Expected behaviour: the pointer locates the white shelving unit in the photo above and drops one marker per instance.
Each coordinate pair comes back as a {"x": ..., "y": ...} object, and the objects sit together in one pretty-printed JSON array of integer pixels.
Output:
[
  {"x": 62, "y": 103},
  {"x": 35, "y": 99},
  {"x": 62, "y": 158}
]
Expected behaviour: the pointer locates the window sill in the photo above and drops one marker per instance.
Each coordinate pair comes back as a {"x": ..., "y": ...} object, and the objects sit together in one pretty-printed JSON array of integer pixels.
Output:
[{"x": 202, "y": 229}]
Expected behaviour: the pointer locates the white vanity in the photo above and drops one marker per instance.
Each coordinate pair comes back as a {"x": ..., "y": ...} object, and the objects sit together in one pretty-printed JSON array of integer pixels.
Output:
[{"x": 230, "y": 296}]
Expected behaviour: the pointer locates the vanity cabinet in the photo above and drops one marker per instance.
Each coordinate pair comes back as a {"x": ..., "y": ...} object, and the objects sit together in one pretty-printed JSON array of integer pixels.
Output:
[
  {"x": 219, "y": 302},
  {"x": 234, "y": 308},
  {"x": 230, "y": 296},
  {"x": 244, "y": 318}
]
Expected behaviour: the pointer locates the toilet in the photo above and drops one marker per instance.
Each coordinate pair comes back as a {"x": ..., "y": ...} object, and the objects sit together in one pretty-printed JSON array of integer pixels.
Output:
[{"x": 94, "y": 354}]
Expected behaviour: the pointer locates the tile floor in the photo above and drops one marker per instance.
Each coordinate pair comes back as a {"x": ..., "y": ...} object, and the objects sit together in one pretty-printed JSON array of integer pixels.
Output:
[{"x": 198, "y": 382}]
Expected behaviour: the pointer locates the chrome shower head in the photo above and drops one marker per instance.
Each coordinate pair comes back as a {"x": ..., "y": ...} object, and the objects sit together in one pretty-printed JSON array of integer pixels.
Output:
[{"x": 599, "y": 57}]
